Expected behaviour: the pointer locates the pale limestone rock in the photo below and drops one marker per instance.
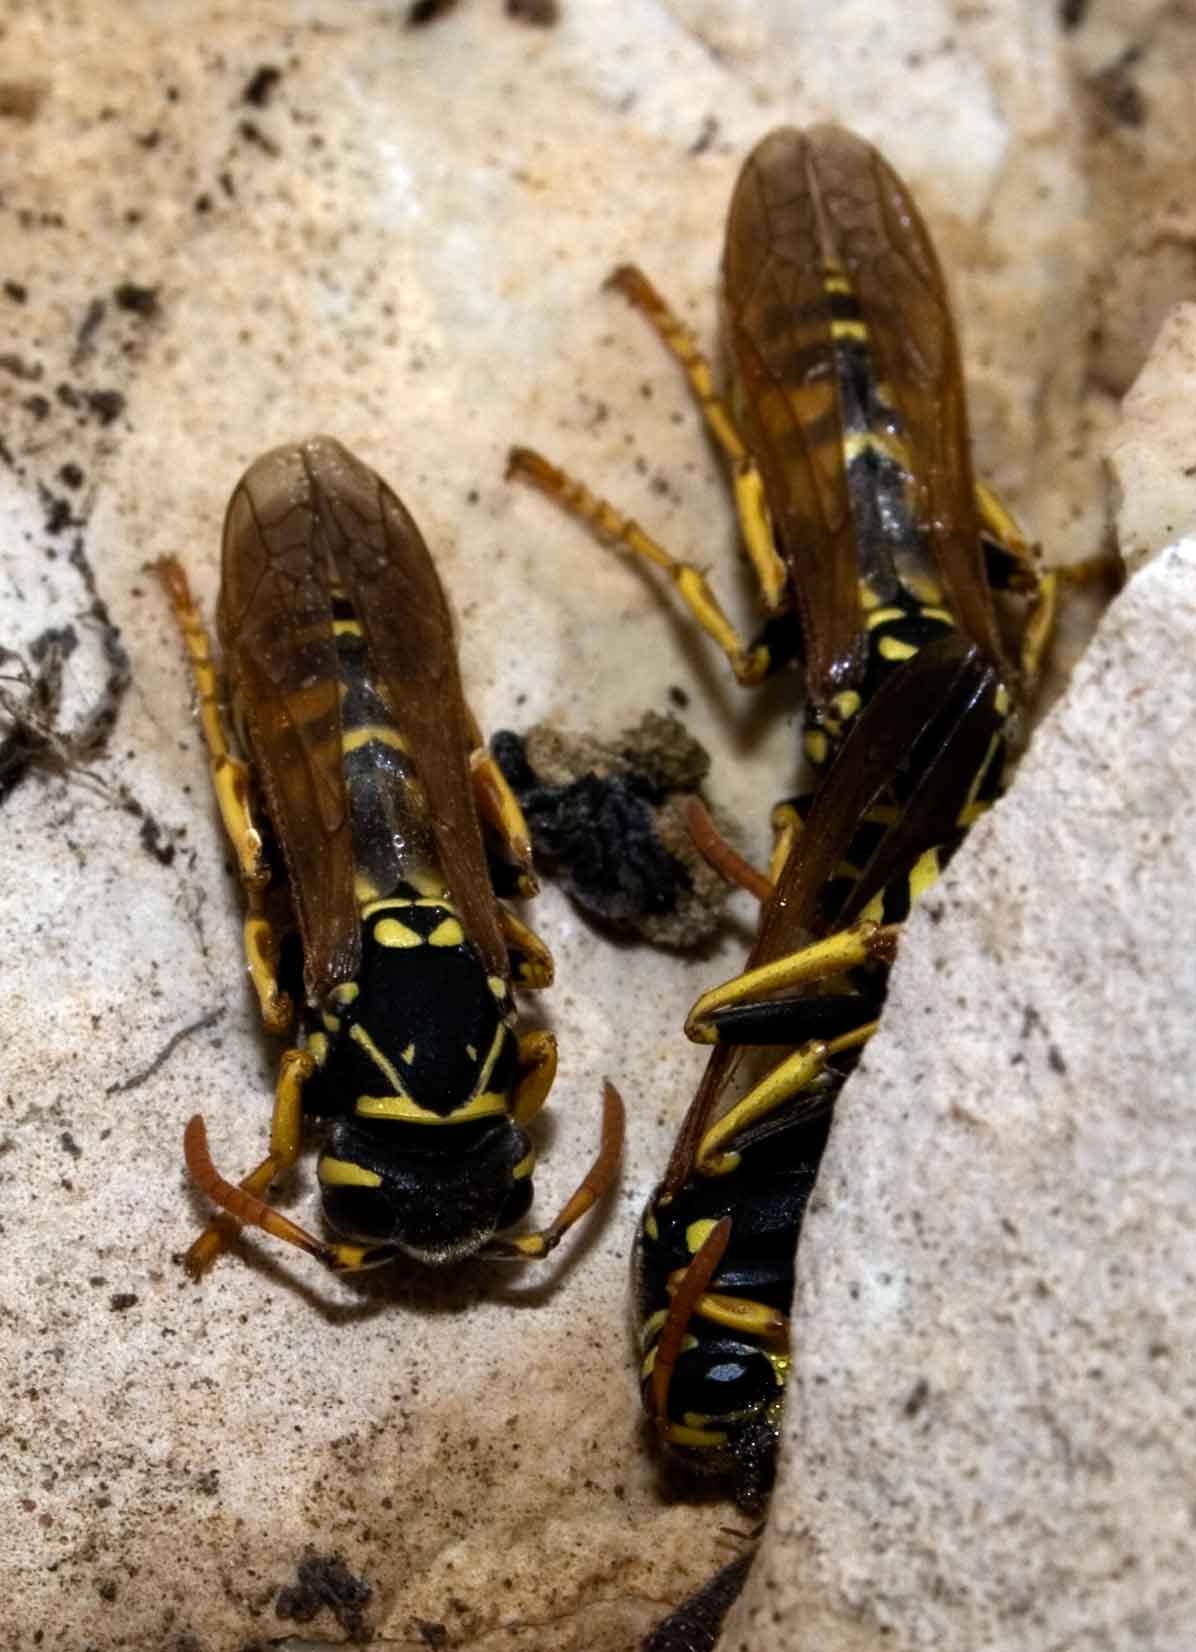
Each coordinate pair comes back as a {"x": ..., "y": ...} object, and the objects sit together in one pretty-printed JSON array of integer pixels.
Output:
[
  {"x": 1153, "y": 453},
  {"x": 987, "y": 1439}
]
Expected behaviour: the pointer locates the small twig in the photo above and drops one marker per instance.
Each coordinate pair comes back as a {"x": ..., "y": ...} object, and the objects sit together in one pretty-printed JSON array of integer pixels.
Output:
[{"x": 164, "y": 1054}]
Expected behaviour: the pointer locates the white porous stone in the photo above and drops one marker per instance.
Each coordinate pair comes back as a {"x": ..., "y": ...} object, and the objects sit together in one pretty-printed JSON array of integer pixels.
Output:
[
  {"x": 1153, "y": 452},
  {"x": 988, "y": 1440}
]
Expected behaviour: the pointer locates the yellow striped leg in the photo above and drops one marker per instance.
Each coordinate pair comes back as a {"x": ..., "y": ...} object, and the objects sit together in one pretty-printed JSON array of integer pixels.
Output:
[
  {"x": 750, "y": 502},
  {"x": 789, "y": 1078},
  {"x": 537, "y": 1070},
  {"x": 749, "y": 665},
  {"x": 499, "y": 808},
  {"x": 531, "y": 962},
  {"x": 286, "y": 1139},
  {"x": 863, "y": 943},
  {"x": 230, "y": 781}
]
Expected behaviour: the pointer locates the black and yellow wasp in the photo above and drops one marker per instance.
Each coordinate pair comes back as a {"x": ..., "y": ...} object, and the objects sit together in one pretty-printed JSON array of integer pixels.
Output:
[
  {"x": 876, "y": 554},
  {"x": 385, "y": 830}
]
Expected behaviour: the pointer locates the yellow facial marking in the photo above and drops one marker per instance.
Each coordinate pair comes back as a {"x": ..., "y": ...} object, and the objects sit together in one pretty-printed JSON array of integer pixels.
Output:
[
  {"x": 471, "y": 1052},
  {"x": 447, "y": 933},
  {"x": 346, "y": 993},
  {"x": 390, "y": 932},
  {"x": 497, "y": 985},
  {"x": 893, "y": 649},
  {"x": 1001, "y": 701},
  {"x": 317, "y": 1043},
  {"x": 846, "y": 704},
  {"x": 650, "y": 1225},
  {"x": 408, "y": 1055},
  {"x": 697, "y": 1233},
  {"x": 344, "y": 1173},
  {"x": 525, "y": 1166},
  {"x": 332, "y": 1023}
]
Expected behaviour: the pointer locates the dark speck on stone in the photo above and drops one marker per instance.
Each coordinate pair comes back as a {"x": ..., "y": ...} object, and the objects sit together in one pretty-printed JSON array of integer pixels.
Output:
[
  {"x": 139, "y": 300},
  {"x": 260, "y": 87},
  {"x": 107, "y": 405}
]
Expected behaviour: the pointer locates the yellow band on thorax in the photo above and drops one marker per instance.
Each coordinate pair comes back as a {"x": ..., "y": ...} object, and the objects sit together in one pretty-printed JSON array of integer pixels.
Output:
[{"x": 487, "y": 1104}]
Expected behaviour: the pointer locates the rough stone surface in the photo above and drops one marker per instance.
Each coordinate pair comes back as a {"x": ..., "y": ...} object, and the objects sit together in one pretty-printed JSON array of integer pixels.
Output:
[
  {"x": 1153, "y": 453},
  {"x": 987, "y": 1438},
  {"x": 401, "y": 238}
]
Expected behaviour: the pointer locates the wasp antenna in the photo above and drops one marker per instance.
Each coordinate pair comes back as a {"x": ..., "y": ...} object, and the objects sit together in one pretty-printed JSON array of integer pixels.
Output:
[
  {"x": 246, "y": 1207},
  {"x": 718, "y": 853},
  {"x": 693, "y": 1284}
]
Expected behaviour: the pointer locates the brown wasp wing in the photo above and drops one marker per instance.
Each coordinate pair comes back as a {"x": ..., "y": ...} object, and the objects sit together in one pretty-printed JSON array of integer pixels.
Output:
[
  {"x": 392, "y": 582},
  {"x": 777, "y": 332},
  {"x": 952, "y": 752},
  {"x": 805, "y": 201},
  {"x": 887, "y": 255},
  {"x": 276, "y": 632},
  {"x": 945, "y": 690},
  {"x": 939, "y": 705}
]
